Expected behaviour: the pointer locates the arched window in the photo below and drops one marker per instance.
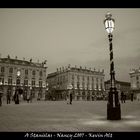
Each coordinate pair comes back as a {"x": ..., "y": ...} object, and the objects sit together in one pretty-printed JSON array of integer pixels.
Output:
[
  {"x": 26, "y": 72},
  {"x": 10, "y": 70}
]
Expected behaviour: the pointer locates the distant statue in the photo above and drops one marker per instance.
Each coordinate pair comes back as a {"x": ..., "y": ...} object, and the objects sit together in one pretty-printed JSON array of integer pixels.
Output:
[
  {"x": 30, "y": 60},
  {"x": 45, "y": 61},
  {"x": 8, "y": 56}
]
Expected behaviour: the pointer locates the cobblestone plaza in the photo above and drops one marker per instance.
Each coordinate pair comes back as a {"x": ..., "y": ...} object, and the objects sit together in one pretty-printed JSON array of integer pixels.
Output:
[{"x": 58, "y": 116}]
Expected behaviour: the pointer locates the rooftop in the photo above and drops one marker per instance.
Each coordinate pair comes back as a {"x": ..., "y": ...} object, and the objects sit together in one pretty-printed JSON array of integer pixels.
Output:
[{"x": 21, "y": 62}]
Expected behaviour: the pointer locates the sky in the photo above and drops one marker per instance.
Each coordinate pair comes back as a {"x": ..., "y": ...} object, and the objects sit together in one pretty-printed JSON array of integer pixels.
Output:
[{"x": 72, "y": 36}]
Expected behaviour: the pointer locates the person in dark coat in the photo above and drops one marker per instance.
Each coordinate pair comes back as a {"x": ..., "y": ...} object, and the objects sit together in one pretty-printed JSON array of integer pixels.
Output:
[
  {"x": 8, "y": 96},
  {"x": 70, "y": 98},
  {"x": 31, "y": 95},
  {"x": 1, "y": 93},
  {"x": 28, "y": 97},
  {"x": 132, "y": 96},
  {"x": 16, "y": 97},
  {"x": 124, "y": 98}
]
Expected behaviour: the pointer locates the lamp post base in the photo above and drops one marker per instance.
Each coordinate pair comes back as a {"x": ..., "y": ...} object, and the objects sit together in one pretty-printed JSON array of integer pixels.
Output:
[{"x": 113, "y": 113}]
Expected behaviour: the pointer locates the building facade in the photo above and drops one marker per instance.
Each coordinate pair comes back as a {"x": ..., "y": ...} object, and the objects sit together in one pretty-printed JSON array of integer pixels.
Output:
[
  {"x": 85, "y": 84},
  {"x": 25, "y": 75},
  {"x": 121, "y": 86},
  {"x": 135, "y": 82}
]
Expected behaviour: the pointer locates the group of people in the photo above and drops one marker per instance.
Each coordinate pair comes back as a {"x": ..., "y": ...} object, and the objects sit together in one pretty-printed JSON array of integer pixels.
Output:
[
  {"x": 15, "y": 97},
  {"x": 123, "y": 97},
  {"x": 9, "y": 95}
]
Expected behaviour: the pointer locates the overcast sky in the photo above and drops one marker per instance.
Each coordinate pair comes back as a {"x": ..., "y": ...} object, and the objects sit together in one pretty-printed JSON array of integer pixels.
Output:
[{"x": 72, "y": 36}]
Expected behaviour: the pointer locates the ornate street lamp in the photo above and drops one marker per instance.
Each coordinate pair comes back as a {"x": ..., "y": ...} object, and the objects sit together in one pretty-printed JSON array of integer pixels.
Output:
[
  {"x": 46, "y": 92},
  {"x": 18, "y": 78},
  {"x": 113, "y": 105}
]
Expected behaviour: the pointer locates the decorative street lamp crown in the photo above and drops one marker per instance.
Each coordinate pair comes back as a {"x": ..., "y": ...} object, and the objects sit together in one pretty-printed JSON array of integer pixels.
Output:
[{"x": 109, "y": 23}]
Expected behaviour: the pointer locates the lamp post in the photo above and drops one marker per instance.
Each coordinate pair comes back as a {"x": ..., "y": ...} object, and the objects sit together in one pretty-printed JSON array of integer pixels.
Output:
[
  {"x": 113, "y": 105},
  {"x": 18, "y": 78},
  {"x": 47, "y": 88}
]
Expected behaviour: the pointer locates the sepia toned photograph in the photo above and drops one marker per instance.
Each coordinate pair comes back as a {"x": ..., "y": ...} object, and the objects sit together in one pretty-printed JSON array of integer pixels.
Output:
[{"x": 69, "y": 70}]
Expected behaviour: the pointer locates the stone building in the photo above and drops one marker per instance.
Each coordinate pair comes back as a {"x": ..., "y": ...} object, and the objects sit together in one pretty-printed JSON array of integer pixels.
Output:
[
  {"x": 25, "y": 75},
  {"x": 85, "y": 84},
  {"x": 121, "y": 86},
  {"x": 135, "y": 82}
]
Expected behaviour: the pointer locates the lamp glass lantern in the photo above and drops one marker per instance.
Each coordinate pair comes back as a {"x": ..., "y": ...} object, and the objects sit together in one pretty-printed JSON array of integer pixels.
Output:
[
  {"x": 18, "y": 73},
  {"x": 109, "y": 23}
]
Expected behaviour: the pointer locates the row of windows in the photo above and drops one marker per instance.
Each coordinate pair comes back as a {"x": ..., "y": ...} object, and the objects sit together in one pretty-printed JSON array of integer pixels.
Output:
[
  {"x": 18, "y": 82},
  {"x": 83, "y": 85},
  {"x": 26, "y": 71},
  {"x": 84, "y": 78},
  {"x": 64, "y": 79}
]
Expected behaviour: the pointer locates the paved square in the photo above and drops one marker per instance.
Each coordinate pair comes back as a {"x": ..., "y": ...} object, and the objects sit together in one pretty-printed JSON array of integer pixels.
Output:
[{"x": 59, "y": 116}]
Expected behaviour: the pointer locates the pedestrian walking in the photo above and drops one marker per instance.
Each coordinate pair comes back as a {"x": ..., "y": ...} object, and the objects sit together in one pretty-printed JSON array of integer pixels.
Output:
[
  {"x": 124, "y": 97},
  {"x": 13, "y": 93},
  {"x": 67, "y": 98},
  {"x": 28, "y": 97},
  {"x": 31, "y": 97},
  {"x": 1, "y": 94},
  {"x": 132, "y": 96},
  {"x": 16, "y": 97},
  {"x": 8, "y": 96},
  {"x": 70, "y": 98}
]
